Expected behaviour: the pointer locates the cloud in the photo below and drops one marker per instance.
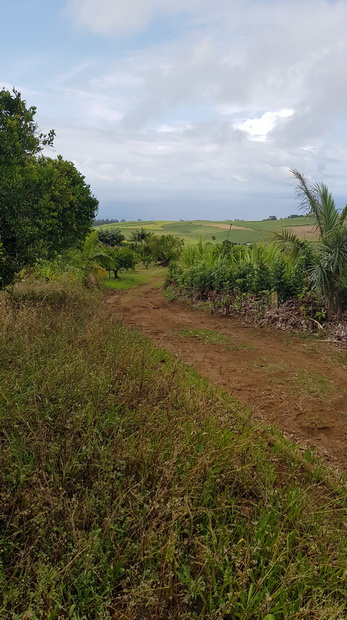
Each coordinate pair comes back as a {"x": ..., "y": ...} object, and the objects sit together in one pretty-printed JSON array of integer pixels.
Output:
[
  {"x": 239, "y": 93},
  {"x": 105, "y": 16},
  {"x": 258, "y": 128}
]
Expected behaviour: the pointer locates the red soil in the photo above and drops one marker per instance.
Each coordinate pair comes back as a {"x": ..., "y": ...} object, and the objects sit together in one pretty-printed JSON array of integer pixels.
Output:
[{"x": 295, "y": 383}]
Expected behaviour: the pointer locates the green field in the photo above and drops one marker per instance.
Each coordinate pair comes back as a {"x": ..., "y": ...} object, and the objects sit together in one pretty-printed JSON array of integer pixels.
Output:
[{"x": 238, "y": 231}]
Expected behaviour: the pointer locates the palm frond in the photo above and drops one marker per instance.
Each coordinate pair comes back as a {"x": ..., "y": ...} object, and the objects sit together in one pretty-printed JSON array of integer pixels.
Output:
[
  {"x": 343, "y": 215},
  {"x": 290, "y": 243},
  {"x": 307, "y": 197},
  {"x": 328, "y": 216}
]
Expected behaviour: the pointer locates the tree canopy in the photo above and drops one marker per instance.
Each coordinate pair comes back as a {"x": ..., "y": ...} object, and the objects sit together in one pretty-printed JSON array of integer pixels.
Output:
[
  {"x": 165, "y": 249},
  {"x": 111, "y": 237},
  {"x": 45, "y": 204}
]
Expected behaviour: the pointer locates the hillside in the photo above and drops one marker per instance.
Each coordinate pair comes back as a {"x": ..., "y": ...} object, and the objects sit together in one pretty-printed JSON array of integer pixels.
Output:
[{"x": 238, "y": 231}]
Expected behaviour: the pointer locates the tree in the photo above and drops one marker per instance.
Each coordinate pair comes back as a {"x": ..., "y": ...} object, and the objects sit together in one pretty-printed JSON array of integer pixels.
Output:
[
  {"x": 19, "y": 136},
  {"x": 328, "y": 268},
  {"x": 111, "y": 237},
  {"x": 165, "y": 249},
  {"x": 122, "y": 258},
  {"x": 45, "y": 204},
  {"x": 140, "y": 235}
]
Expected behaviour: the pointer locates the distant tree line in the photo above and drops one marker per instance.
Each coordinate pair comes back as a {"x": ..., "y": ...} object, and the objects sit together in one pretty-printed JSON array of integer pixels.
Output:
[{"x": 101, "y": 222}]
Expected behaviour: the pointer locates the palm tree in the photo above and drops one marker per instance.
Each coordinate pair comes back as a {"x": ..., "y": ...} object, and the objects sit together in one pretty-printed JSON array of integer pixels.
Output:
[
  {"x": 94, "y": 255},
  {"x": 140, "y": 235},
  {"x": 328, "y": 270}
]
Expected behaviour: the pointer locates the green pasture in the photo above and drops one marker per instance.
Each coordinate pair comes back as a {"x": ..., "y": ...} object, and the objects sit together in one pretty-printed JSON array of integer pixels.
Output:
[
  {"x": 135, "y": 278},
  {"x": 214, "y": 231}
]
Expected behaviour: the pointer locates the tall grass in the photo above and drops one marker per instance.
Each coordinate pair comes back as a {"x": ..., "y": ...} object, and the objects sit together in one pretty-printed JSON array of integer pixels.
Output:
[{"x": 130, "y": 488}]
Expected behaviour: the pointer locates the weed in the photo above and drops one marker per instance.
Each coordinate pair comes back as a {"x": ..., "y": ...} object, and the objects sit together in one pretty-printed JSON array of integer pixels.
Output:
[
  {"x": 210, "y": 337},
  {"x": 269, "y": 366},
  {"x": 340, "y": 358},
  {"x": 316, "y": 384}
]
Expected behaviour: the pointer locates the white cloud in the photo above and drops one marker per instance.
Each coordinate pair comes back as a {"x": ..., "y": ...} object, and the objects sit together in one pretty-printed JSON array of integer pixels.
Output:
[
  {"x": 258, "y": 128},
  {"x": 239, "y": 93},
  {"x": 105, "y": 16}
]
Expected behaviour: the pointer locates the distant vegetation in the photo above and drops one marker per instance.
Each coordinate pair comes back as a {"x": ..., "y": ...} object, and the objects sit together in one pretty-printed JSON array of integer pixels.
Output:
[
  {"x": 237, "y": 231},
  {"x": 104, "y": 222},
  {"x": 314, "y": 273}
]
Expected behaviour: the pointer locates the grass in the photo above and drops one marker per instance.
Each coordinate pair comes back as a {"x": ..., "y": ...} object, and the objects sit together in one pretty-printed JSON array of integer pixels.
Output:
[
  {"x": 133, "y": 279},
  {"x": 210, "y": 336},
  {"x": 131, "y": 488},
  {"x": 315, "y": 384},
  {"x": 338, "y": 357},
  {"x": 269, "y": 366},
  {"x": 192, "y": 231}
]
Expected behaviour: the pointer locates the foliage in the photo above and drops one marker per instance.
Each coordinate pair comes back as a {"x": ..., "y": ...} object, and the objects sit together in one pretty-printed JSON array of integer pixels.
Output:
[
  {"x": 19, "y": 137},
  {"x": 111, "y": 237},
  {"x": 140, "y": 235},
  {"x": 46, "y": 206},
  {"x": 121, "y": 258},
  {"x": 314, "y": 271},
  {"x": 103, "y": 221},
  {"x": 225, "y": 275},
  {"x": 85, "y": 264},
  {"x": 88, "y": 263},
  {"x": 165, "y": 249},
  {"x": 328, "y": 268},
  {"x": 242, "y": 231},
  {"x": 131, "y": 488}
]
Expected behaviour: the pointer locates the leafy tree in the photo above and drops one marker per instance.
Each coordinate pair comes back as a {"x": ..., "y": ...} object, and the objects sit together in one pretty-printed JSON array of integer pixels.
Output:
[
  {"x": 19, "y": 135},
  {"x": 121, "y": 258},
  {"x": 165, "y": 249},
  {"x": 145, "y": 253},
  {"x": 45, "y": 204}
]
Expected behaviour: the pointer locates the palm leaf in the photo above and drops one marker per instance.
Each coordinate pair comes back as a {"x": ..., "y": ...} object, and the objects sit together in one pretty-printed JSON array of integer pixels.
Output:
[
  {"x": 343, "y": 215},
  {"x": 289, "y": 242}
]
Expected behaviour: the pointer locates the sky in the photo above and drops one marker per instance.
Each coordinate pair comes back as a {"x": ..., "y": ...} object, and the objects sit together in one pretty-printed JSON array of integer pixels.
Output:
[{"x": 186, "y": 109}]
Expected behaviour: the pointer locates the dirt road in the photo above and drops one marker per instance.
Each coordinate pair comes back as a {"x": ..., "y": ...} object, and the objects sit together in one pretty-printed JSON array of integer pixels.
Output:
[{"x": 298, "y": 384}]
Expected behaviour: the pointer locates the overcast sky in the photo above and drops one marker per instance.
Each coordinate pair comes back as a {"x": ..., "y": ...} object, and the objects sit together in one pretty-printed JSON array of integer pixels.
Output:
[{"x": 187, "y": 108}]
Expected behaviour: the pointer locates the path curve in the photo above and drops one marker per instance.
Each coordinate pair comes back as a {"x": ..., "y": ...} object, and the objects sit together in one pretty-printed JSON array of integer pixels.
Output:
[{"x": 297, "y": 384}]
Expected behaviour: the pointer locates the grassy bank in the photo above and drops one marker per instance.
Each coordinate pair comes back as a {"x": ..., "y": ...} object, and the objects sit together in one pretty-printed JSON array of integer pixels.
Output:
[{"x": 133, "y": 489}]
